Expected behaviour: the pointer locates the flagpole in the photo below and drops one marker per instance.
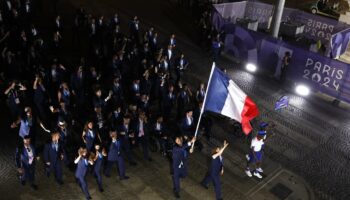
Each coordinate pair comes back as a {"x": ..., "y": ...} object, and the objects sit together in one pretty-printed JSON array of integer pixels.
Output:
[{"x": 203, "y": 104}]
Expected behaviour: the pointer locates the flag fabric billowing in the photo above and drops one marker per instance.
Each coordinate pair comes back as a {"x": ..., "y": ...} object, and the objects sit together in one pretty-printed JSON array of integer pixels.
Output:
[
  {"x": 226, "y": 98},
  {"x": 283, "y": 102}
]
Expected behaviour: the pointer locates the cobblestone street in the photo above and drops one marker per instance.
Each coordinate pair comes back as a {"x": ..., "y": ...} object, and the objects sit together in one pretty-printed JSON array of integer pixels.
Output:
[{"x": 310, "y": 148}]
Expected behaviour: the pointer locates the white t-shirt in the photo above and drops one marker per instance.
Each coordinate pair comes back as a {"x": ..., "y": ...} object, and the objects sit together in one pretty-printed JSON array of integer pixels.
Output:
[{"x": 256, "y": 144}]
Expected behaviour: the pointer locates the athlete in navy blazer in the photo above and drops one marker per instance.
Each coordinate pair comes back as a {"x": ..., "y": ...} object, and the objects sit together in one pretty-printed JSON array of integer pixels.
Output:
[
  {"x": 25, "y": 162},
  {"x": 53, "y": 157},
  {"x": 114, "y": 156},
  {"x": 80, "y": 173},
  {"x": 215, "y": 170},
  {"x": 141, "y": 129},
  {"x": 180, "y": 155},
  {"x": 125, "y": 135}
]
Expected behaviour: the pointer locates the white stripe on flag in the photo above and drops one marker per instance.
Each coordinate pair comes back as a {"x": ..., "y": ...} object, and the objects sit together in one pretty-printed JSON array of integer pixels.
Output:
[{"x": 234, "y": 103}]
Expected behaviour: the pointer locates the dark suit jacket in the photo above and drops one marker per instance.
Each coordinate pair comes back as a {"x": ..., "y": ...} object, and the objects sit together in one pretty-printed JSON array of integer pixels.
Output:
[
  {"x": 136, "y": 127},
  {"x": 114, "y": 150},
  {"x": 51, "y": 155},
  {"x": 22, "y": 157}
]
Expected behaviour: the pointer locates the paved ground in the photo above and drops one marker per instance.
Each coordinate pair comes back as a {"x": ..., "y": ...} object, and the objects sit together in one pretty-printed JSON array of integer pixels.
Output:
[{"x": 309, "y": 152}]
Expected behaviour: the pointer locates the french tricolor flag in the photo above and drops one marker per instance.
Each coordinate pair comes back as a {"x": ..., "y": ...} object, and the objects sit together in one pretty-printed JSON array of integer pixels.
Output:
[{"x": 225, "y": 97}]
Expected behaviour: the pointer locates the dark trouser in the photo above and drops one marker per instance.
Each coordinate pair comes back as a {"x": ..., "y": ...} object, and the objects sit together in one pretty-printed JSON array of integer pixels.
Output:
[
  {"x": 83, "y": 185},
  {"x": 216, "y": 182},
  {"x": 162, "y": 143},
  {"x": 97, "y": 175},
  {"x": 179, "y": 74},
  {"x": 29, "y": 173},
  {"x": 178, "y": 173},
  {"x": 144, "y": 144},
  {"x": 126, "y": 149},
  {"x": 119, "y": 163},
  {"x": 57, "y": 170}
]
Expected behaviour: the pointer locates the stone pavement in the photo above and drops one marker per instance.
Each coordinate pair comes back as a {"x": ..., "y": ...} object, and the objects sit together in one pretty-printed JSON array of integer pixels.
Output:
[{"x": 308, "y": 154}]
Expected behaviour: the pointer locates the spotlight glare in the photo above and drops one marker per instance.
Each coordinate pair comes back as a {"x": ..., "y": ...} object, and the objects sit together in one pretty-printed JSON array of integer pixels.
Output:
[
  {"x": 302, "y": 90},
  {"x": 251, "y": 67}
]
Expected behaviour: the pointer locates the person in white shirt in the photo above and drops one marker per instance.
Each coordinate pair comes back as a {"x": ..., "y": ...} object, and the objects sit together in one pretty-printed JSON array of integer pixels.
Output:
[{"x": 256, "y": 154}]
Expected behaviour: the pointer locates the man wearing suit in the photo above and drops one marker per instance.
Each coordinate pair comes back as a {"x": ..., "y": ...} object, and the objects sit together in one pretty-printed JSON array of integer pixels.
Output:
[
  {"x": 183, "y": 101},
  {"x": 134, "y": 30},
  {"x": 179, "y": 165},
  {"x": 187, "y": 125},
  {"x": 181, "y": 66},
  {"x": 115, "y": 157},
  {"x": 80, "y": 173},
  {"x": 116, "y": 117},
  {"x": 58, "y": 24},
  {"x": 216, "y": 47},
  {"x": 117, "y": 89},
  {"x": 115, "y": 21},
  {"x": 125, "y": 135},
  {"x": 160, "y": 133},
  {"x": 215, "y": 170},
  {"x": 168, "y": 102},
  {"x": 25, "y": 162},
  {"x": 78, "y": 84},
  {"x": 141, "y": 133},
  {"x": 53, "y": 157},
  {"x": 154, "y": 42},
  {"x": 135, "y": 91},
  {"x": 172, "y": 41},
  {"x": 170, "y": 55}
]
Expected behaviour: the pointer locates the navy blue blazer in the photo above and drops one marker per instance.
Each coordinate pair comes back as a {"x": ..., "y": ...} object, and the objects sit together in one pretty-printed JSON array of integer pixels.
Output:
[
  {"x": 22, "y": 157},
  {"x": 114, "y": 151},
  {"x": 167, "y": 100},
  {"x": 82, "y": 167},
  {"x": 187, "y": 127},
  {"x": 216, "y": 166},
  {"x": 136, "y": 127},
  {"x": 50, "y": 153},
  {"x": 122, "y": 128},
  {"x": 161, "y": 132},
  {"x": 98, "y": 162},
  {"x": 180, "y": 155}
]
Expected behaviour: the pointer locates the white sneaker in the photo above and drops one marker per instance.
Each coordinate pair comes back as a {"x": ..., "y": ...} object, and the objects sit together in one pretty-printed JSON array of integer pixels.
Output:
[
  {"x": 259, "y": 170},
  {"x": 248, "y": 173},
  {"x": 247, "y": 157},
  {"x": 257, "y": 175}
]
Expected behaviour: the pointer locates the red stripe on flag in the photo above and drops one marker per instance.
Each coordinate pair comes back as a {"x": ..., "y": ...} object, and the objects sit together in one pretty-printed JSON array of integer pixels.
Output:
[{"x": 249, "y": 112}]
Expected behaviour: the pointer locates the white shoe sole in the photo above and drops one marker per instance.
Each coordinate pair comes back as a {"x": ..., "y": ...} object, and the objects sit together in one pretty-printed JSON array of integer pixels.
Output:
[
  {"x": 249, "y": 174},
  {"x": 258, "y": 176}
]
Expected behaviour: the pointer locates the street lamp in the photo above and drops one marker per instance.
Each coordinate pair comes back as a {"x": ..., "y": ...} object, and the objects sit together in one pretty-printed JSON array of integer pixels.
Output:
[
  {"x": 302, "y": 90},
  {"x": 251, "y": 67}
]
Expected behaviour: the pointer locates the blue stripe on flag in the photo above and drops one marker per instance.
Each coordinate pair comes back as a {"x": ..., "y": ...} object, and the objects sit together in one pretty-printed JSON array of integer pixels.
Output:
[{"x": 217, "y": 91}]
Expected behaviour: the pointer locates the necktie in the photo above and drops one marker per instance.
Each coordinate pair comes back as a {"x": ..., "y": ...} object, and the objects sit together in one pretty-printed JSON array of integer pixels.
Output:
[
  {"x": 86, "y": 162},
  {"x": 56, "y": 146}
]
